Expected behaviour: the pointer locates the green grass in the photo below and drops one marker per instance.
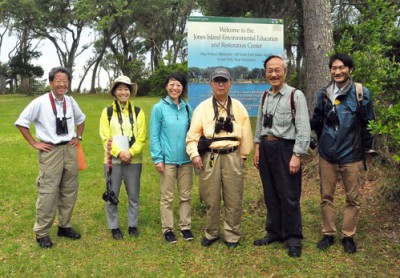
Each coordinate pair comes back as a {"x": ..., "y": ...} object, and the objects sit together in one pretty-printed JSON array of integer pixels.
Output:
[{"x": 98, "y": 255}]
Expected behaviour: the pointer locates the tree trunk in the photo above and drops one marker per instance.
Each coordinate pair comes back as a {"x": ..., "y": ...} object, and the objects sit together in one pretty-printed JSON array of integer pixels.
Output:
[{"x": 318, "y": 41}]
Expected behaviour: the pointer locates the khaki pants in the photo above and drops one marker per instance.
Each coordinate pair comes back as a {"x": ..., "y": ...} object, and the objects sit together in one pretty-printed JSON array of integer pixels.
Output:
[
  {"x": 350, "y": 173},
  {"x": 57, "y": 188},
  {"x": 182, "y": 175},
  {"x": 223, "y": 181}
]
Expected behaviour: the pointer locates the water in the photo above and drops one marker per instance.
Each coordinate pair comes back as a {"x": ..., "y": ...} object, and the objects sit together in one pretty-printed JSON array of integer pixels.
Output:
[{"x": 249, "y": 94}]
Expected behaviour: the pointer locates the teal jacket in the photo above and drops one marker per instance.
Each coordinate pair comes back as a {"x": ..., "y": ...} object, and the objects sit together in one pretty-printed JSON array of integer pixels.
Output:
[{"x": 168, "y": 128}]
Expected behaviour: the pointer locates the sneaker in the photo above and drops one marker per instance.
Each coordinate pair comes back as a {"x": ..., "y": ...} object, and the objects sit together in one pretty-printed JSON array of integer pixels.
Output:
[
  {"x": 133, "y": 231},
  {"x": 187, "y": 235},
  {"x": 170, "y": 236},
  {"x": 117, "y": 234},
  {"x": 325, "y": 242},
  {"x": 349, "y": 245}
]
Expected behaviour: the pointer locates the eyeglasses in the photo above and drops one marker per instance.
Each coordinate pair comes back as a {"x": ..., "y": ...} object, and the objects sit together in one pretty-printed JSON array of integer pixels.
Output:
[
  {"x": 335, "y": 68},
  {"x": 270, "y": 71},
  {"x": 58, "y": 81}
]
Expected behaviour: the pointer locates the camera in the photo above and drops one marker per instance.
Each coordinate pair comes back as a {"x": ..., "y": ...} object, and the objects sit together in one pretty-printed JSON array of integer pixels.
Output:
[
  {"x": 331, "y": 116},
  {"x": 268, "y": 119},
  {"x": 313, "y": 143},
  {"x": 222, "y": 124},
  {"x": 61, "y": 126},
  {"x": 109, "y": 196}
]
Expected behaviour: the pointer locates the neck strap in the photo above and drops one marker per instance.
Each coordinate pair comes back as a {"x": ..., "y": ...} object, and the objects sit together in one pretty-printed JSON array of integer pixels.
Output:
[{"x": 53, "y": 105}]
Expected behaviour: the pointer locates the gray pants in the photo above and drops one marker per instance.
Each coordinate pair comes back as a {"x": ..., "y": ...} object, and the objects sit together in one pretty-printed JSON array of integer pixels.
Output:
[{"x": 130, "y": 174}]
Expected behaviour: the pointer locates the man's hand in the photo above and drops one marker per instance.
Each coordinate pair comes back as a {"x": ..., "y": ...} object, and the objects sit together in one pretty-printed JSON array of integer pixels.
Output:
[
  {"x": 42, "y": 146},
  {"x": 256, "y": 156},
  {"x": 74, "y": 141},
  {"x": 294, "y": 165},
  {"x": 198, "y": 163}
]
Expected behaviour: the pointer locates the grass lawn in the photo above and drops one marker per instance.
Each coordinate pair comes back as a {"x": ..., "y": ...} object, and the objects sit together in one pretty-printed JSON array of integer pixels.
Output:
[{"x": 149, "y": 255}]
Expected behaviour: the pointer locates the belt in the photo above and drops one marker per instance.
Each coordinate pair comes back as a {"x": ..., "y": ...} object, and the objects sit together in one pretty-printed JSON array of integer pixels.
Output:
[
  {"x": 274, "y": 138},
  {"x": 58, "y": 144},
  {"x": 62, "y": 143},
  {"x": 224, "y": 151}
]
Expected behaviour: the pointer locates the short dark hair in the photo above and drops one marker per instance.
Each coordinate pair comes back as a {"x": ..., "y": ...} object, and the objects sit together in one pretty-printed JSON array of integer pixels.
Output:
[
  {"x": 346, "y": 59},
  {"x": 56, "y": 70},
  {"x": 274, "y": 56},
  {"x": 178, "y": 77}
]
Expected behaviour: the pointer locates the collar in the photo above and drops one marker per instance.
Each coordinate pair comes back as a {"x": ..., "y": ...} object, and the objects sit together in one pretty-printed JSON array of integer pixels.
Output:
[
  {"x": 284, "y": 90},
  {"x": 56, "y": 99},
  {"x": 169, "y": 101},
  {"x": 125, "y": 106}
]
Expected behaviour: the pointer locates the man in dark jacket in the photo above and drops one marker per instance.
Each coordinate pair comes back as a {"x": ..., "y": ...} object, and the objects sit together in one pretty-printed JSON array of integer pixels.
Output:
[{"x": 341, "y": 115}]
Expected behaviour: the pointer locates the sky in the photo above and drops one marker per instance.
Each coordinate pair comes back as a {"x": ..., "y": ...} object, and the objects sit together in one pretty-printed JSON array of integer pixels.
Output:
[{"x": 49, "y": 59}]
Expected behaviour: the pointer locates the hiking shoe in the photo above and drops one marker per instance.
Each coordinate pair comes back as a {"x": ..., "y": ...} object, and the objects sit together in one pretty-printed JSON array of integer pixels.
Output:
[
  {"x": 170, "y": 236},
  {"x": 265, "y": 240},
  {"x": 231, "y": 244},
  {"x": 44, "y": 242},
  {"x": 69, "y": 233},
  {"x": 325, "y": 242},
  {"x": 132, "y": 231},
  {"x": 349, "y": 245},
  {"x": 207, "y": 242},
  {"x": 116, "y": 233},
  {"x": 187, "y": 235},
  {"x": 294, "y": 251}
]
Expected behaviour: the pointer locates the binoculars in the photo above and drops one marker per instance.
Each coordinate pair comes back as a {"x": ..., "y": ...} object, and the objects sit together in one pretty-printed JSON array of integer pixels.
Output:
[
  {"x": 61, "y": 126},
  {"x": 268, "y": 119},
  {"x": 222, "y": 124}
]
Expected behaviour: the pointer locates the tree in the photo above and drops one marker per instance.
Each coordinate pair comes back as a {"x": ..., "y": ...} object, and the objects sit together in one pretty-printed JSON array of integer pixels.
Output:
[
  {"x": 377, "y": 62},
  {"x": 162, "y": 25},
  {"x": 318, "y": 42},
  {"x": 20, "y": 66},
  {"x": 55, "y": 20}
]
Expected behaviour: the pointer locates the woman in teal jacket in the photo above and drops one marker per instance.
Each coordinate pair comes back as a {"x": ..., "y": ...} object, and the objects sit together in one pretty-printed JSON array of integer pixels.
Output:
[{"x": 169, "y": 123}]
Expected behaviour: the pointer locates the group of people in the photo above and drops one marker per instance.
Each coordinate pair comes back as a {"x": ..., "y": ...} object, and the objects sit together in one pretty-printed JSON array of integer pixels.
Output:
[{"x": 214, "y": 141}]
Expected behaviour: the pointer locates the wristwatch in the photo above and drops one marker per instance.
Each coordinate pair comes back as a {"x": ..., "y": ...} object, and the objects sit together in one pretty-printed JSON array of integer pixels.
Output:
[
  {"x": 79, "y": 137},
  {"x": 296, "y": 154}
]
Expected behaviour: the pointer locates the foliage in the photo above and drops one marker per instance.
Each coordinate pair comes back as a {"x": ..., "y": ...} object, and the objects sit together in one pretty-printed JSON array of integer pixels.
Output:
[
  {"x": 157, "y": 79},
  {"x": 377, "y": 63},
  {"x": 19, "y": 64}
]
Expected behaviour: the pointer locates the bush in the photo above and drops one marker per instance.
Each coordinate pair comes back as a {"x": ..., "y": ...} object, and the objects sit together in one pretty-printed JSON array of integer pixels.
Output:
[{"x": 157, "y": 79}]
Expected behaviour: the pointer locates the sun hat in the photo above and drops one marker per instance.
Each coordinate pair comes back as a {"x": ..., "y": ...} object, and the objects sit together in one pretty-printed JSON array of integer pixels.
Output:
[
  {"x": 125, "y": 80},
  {"x": 221, "y": 72}
]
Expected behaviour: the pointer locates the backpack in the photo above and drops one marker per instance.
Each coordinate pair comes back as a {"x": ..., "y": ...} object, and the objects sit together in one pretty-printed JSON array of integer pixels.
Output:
[
  {"x": 359, "y": 93},
  {"x": 110, "y": 112}
]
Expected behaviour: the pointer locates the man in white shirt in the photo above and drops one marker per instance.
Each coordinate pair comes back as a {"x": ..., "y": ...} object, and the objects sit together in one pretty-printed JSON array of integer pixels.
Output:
[{"x": 55, "y": 116}]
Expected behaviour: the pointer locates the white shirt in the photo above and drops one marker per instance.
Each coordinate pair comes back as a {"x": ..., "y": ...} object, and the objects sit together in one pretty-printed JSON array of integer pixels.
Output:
[{"x": 40, "y": 112}]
